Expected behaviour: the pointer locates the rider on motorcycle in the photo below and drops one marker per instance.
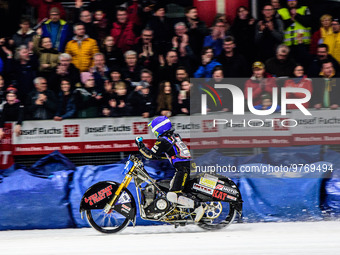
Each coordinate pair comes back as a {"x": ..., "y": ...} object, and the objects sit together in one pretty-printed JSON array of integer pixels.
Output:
[{"x": 170, "y": 144}]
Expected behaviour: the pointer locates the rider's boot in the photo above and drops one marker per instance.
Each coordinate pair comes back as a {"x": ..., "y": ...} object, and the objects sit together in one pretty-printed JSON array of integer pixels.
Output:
[{"x": 178, "y": 197}]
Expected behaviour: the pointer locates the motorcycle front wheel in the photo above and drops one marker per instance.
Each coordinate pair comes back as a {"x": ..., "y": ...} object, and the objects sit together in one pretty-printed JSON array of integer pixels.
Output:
[{"x": 113, "y": 221}]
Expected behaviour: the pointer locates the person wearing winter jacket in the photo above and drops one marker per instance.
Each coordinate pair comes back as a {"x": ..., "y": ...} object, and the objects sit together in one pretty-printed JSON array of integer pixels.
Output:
[
  {"x": 299, "y": 80},
  {"x": 122, "y": 31},
  {"x": 87, "y": 99},
  {"x": 82, "y": 48},
  {"x": 260, "y": 83},
  {"x": 208, "y": 64},
  {"x": 57, "y": 29},
  {"x": 24, "y": 35}
]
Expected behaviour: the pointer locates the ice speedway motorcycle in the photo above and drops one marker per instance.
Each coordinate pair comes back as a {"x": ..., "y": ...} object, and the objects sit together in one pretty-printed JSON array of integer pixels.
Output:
[{"x": 109, "y": 206}]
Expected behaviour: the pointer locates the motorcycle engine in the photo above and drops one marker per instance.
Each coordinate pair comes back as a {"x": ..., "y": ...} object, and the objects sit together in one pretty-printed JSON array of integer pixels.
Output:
[{"x": 154, "y": 207}]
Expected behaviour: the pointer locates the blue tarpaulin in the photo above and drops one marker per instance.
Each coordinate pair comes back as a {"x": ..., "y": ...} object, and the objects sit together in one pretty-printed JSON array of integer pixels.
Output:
[
  {"x": 48, "y": 194},
  {"x": 29, "y": 202}
]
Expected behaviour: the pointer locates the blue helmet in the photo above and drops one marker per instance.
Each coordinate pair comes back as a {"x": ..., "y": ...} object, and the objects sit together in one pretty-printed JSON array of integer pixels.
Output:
[{"x": 160, "y": 125}]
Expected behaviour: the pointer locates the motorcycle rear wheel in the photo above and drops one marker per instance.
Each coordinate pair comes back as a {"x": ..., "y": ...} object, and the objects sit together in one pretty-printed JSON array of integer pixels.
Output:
[
  {"x": 111, "y": 222},
  {"x": 224, "y": 218}
]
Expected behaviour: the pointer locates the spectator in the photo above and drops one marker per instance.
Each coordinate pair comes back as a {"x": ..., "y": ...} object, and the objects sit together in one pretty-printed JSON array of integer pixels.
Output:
[
  {"x": 276, "y": 5},
  {"x": 234, "y": 64},
  {"x": 135, "y": 15},
  {"x": 208, "y": 64},
  {"x": 215, "y": 40},
  {"x": 243, "y": 30},
  {"x": 85, "y": 18},
  {"x": 197, "y": 29},
  {"x": 225, "y": 95},
  {"x": 2, "y": 93},
  {"x": 268, "y": 34},
  {"x": 147, "y": 76},
  {"x": 131, "y": 71},
  {"x": 66, "y": 107},
  {"x": 48, "y": 58},
  {"x": 184, "y": 98},
  {"x": 122, "y": 31},
  {"x": 65, "y": 70},
  {"x": 100, "y": 25},
  {"x": 266, "y": 103},
  {"x": 108, "y": 6},
  {"x": 145, "y": 49},
  {"x": 320, "y": 35},
  {"x": 100, "y": 71},
  {"x": 22, "y": 71},
  {"x": 108, "y": 95},
  {"x": 315, "y": 62},
  {"x": 40, "y": 103},
  {"x": 119, "y": 106},
  {"x": 57, "y": 29},
  {"x": 162, "y": 29},
  {"x": 81, "y": 48},
  {"x": 115, "y": 76},
  {"x": 300, "y": 80},
  {"x": 87, "y": 99},
  {"x": 333, "y": 41},
  {"x": 281, "y": 65},
  {"x": 297, "y": 20},
  {"x": 168, "y": 67},
  {"x": 260, "y": 82},
  {"x": 13, "y": 110},
  {"x": 181, "y": 75},
  {"x": 113, "y": 56},
  {"x": 24, "y": 35},
  {"x": 142, "y": 102},
  {"x": 327, "y": 90},
  {"x": 166, "y": 100},
  {"x": 180, "y": 42},
  {"x": 44, "y": 7}
]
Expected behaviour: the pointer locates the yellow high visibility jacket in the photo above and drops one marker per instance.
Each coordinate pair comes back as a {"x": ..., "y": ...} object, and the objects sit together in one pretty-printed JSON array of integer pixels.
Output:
[{"x": 290, "y": 37}]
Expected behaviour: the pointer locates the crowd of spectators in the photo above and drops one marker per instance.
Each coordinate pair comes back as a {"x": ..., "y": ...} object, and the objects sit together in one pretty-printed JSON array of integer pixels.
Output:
[{"x": 128, "y": 58}]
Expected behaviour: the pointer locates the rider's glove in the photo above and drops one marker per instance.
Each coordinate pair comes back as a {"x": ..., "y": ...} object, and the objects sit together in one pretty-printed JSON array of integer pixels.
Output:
[{"x": 139, "y": 142}]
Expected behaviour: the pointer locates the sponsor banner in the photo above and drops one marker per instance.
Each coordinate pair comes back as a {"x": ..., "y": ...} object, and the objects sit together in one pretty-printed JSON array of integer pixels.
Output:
[
  {"x": 221, "y": 130},
  {"x": 323, "y": 127},
  {"x": 6, "y": 153}
]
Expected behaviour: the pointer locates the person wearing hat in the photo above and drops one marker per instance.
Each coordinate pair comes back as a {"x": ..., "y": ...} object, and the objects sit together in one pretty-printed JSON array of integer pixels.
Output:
[
  {"x": 87, "y": 99},
  {"x": 44, "y": 7},
  {"x": 57, "y": 29},
  {"x": 260, "y": 83},
  {"x": 13, "y": 110}
]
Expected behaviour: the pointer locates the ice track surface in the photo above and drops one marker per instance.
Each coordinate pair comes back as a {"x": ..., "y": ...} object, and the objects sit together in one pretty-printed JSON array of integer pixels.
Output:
[{"x": 256, "y": 238}]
